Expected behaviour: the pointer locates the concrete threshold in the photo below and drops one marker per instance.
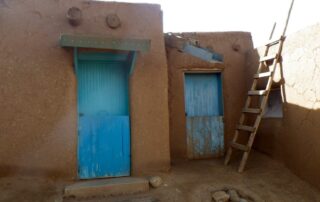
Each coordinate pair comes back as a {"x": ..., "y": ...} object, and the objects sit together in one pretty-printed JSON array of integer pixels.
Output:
[{"x": 107, "y": 187}]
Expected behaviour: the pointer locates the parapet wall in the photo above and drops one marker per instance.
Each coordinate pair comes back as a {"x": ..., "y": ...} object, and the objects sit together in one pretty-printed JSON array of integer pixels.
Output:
[{"x": 295, "y": 138}]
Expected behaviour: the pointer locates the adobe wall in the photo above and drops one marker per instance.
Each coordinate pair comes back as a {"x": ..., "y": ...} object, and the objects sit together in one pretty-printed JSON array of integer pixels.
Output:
[
  {"x": 234, "y": 72},
  {"x": 295, "y": 138},
  {"x": 38, "y": 101}
]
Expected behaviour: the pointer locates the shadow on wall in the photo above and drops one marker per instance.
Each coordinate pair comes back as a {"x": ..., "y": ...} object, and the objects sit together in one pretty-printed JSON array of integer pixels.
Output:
[{"x": 293, "y": 138}]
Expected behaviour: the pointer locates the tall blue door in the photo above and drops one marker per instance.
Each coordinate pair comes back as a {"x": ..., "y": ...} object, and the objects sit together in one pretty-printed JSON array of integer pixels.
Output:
[
  {"x": 104, "y": 131},
  {"x": 204, "y": 115}
]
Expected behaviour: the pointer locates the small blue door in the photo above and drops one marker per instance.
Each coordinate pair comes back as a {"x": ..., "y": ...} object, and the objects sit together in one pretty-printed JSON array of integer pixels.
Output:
[
  {"x": 104, "y": 130},
  {"x": 204, "y": 115}
]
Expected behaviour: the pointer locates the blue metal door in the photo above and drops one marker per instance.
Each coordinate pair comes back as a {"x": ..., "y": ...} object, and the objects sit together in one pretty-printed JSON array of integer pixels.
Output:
[
  {"x": 204, "y": 115},
  {"x": 104, "y": 131}
]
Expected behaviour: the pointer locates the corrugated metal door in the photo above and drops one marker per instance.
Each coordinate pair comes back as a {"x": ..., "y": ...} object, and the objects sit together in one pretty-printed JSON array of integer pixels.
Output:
[
  {"x": 104, "y": 131},
  {"x": 204, "y": 115}
]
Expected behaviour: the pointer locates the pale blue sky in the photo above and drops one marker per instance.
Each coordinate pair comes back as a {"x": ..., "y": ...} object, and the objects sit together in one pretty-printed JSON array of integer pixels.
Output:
[{"x": 255, "y": 16}]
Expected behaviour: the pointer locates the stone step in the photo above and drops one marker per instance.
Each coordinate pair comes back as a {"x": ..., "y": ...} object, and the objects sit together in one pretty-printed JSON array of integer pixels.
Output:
[{"x": 107, "y": 187}]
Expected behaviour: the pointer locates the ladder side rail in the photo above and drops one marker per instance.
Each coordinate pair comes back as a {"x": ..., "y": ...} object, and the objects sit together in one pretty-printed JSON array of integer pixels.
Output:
[
  {"x": 256, "y": 125},
  {"x": 247, "y": 104},
  {"x": 262, "y": 106},
  {"x": 265, "y": 98},
  {"x": 288, "y": 18},
  {"x": 263, "y": 103}
]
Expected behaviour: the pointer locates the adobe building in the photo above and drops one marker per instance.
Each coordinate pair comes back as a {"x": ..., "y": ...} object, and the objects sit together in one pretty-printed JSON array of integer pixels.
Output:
[
  {"x": 71, "y": 71},
  {"x": 288, "y": 131},
  {"x": 67, "y": 69},
  {"x": 206, "y": 97}
]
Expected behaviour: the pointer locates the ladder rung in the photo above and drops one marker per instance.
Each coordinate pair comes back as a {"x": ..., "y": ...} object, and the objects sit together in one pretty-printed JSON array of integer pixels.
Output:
[
  {"x": 252, "y": 110},
  {"x": 273, "y": 42},
  {"x": 246, "y": 128},
  {"x": 261, "y": 75},
  {"x": 268, "y": 58},
  {"x": 257, "y": 92},
  {"x": 239, "y": 146}
]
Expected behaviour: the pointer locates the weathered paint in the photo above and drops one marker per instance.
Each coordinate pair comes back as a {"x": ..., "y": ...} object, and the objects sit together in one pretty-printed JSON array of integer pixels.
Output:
[
  {"x": 204, "y": 115},
  {"x": 106, "y": 57},
  {"x": 203, "y": 94},
  {"x": 104, "y": 146},
  {"x": 104, "y": 134},
  {"x": 205, "y": 136},
  {"x": 133, "y": 58}
]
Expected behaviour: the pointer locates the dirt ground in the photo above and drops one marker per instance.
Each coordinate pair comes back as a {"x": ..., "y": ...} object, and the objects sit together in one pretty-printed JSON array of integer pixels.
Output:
[{"x": 264, "y": 179}]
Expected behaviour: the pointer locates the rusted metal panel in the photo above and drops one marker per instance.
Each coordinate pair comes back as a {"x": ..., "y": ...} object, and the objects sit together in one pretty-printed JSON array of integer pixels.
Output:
[{"x": 205, "y": 137}]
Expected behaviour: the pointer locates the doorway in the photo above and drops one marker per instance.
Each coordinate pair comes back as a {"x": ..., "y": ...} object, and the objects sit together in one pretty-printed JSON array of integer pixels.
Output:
[
  {"x": 103, "y": 115},
  {"x": 204, "y": 115}
]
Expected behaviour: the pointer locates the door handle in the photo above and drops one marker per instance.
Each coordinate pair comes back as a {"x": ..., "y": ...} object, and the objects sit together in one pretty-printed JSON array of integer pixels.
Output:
[{"x": 81, "y": 114}]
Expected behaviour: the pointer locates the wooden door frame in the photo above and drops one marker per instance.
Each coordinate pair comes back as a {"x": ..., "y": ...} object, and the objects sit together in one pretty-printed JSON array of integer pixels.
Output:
[
  {"x": 203, "y": 71},
  {"x": 132, "y": 55}
]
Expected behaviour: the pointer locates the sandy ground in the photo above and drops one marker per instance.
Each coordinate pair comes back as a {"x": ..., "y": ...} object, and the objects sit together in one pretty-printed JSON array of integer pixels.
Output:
[{"x": 264, "y": 178}]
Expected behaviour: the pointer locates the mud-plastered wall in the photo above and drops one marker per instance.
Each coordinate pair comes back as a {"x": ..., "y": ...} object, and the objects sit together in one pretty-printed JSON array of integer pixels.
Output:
[
  {"x": 38, "y": 88},
  {"x": 295, "y": 138},
  {"x": 234, "y": 46}
]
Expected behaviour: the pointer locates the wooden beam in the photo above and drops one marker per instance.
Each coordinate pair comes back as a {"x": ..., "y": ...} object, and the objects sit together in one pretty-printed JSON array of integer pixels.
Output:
[{"x": 84, "y": 41}]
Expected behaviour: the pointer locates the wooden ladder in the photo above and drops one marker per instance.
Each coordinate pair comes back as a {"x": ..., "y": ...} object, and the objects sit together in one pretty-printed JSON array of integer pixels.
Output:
[{"x": 269, "y": 62}]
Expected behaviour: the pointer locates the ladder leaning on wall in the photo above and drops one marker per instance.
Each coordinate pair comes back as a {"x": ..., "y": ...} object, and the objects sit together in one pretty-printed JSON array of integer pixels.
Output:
[{"x": 269, "y": 62}]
